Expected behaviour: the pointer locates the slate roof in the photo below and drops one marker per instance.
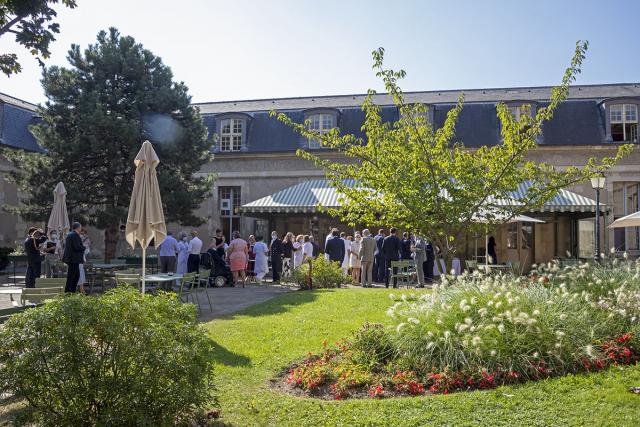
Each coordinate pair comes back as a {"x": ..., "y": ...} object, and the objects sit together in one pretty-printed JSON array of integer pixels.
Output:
[
  {"x": 308, "y": 196},
  {"x": 16, "y": 116},
  {"x": 578, "y": 121},
  {"x": 541, "y": 93}
]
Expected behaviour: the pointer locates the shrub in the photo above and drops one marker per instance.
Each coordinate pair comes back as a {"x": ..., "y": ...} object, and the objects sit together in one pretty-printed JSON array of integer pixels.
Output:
[
  {"x": 371, "y": 346},
  {"x": 324, "y": 274},
  {"x": 497, "y": 323},
  {"x": 120, "y": 359}
]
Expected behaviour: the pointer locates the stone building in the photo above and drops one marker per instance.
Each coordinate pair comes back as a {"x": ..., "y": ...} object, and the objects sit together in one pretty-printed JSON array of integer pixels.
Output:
[
  {"x": 15, "y": 118},
  {"x": 262, "y": 184}
]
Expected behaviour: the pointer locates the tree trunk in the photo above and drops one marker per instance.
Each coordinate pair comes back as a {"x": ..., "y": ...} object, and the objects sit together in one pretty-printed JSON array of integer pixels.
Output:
[{"x": 110, "y": 242}]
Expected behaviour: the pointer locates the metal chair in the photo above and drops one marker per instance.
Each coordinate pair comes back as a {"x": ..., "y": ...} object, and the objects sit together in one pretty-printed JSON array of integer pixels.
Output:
[
  {"x": 42, "y": 282},
  {"x": 203, "y": 282},
  {"x": 185, "y": 290},
  {"x": 39, "y": 295},
  {"x": 405, "y": 271},
  {"x": 471, "y": 264}
]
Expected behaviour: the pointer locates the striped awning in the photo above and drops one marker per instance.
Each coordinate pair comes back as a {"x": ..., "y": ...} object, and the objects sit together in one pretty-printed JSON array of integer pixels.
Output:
[{"x": 308, "y": 196}]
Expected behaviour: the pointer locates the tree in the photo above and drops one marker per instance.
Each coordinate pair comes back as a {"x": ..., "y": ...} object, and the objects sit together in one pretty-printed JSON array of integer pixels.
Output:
[
  {"x": 31, "y": 22},
  {"x": 420, "y": 179},
  {"x": 115, "y": 95}
]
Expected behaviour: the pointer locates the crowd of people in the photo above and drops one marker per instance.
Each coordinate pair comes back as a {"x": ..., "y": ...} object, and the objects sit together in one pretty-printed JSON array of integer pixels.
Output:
[
  {"x": 366, "y": 258},
  {"x": 40, "y": 247},
  {"x": 369, "y": 258}
]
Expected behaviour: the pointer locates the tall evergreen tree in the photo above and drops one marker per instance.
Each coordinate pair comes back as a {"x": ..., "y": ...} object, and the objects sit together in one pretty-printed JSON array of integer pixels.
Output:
[{"x": 115, "y": 95}]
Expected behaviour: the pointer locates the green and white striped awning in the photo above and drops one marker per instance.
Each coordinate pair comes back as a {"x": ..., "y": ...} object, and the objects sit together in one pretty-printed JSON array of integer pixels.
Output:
[{"x": 308, "y": 196}]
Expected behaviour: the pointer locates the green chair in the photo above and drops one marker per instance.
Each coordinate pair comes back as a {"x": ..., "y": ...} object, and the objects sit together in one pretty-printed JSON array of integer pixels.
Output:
[
  {"x": 405, "y": 272},
  {"x": 39, "y": 295},
  {"x": 128, "y": 279},
  {"x": 42, "y": 282},
  {"x": 203, "y": 283},
  {"x": 471, "y": 264},
  {"x": 186, "y": 288}
]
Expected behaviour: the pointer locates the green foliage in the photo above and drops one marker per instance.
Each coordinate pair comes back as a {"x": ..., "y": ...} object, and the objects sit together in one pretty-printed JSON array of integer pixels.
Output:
[
  {"x": 31, "y": 22},
  {"x": 507, "y": 323},
  {"x": 371, "y": 346},
  {"x": 285, "y": 328},
  {"x": 120, "y": 359},
  {"x": 324, "y": 274},
  {"x": 415, "y": 177},
  {"x": 115, "y": 95}
]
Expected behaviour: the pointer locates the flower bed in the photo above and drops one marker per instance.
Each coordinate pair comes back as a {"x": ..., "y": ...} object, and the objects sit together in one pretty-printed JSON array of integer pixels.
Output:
[{"x": 480, "y": 332}]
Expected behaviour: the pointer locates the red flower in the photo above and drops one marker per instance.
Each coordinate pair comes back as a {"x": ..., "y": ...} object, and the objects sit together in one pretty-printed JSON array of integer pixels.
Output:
[
  {"x": 624, "y": 338},
  {"x": 376, "y": 391}
]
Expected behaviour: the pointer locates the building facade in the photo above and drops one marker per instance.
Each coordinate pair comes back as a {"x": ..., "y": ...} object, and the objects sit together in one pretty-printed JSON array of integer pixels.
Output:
[{"x": 255, "y": 158}]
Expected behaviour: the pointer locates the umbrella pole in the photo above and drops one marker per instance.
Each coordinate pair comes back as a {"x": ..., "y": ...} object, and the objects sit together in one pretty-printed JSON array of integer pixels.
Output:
[
  {"x": 486, "y": 248},
  {"x": 144, "y": 266}
]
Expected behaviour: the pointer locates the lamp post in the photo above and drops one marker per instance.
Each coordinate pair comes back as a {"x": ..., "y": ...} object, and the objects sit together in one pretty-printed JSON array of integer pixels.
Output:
[{"x": 597, "y": 183}]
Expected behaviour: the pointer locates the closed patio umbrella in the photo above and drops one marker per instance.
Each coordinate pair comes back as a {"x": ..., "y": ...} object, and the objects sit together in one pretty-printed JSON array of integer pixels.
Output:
[
  {"x": 59, "y": 218},
  {"x": 145, "y": 220},
  {"x": 632, "y": 220}
]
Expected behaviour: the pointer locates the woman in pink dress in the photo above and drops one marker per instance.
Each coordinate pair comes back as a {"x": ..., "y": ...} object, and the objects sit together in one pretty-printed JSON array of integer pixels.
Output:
[{"x": 237, "y": 255}]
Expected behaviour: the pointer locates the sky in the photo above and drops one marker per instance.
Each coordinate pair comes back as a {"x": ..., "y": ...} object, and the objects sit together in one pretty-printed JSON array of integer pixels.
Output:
[{"x": 233, "y": 50}]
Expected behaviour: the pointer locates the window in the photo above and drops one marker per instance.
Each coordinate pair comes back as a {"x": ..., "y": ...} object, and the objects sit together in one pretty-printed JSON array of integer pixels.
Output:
[
  {"x": 625, "y": 202},
  {"x": 229, "y": 198},
  {"x": 520, "y": 111},
  {"x": 527, "y": 235},
  {"x": 320, "y": 123},
  {"x": 512, "y": 235},
  {"x": 624, "y": 122},
  {"x": 228, "y": 204},
  {"x": 231, "y": 131},
  {"x": 586, "y": 238}
]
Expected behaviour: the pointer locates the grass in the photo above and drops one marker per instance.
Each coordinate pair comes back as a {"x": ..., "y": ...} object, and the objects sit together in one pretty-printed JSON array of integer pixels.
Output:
[{"x": 256, "y": 344}]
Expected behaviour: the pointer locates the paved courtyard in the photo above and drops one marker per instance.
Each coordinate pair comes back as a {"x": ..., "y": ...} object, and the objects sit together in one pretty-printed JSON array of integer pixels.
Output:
[{"x": 225, "y": 301}]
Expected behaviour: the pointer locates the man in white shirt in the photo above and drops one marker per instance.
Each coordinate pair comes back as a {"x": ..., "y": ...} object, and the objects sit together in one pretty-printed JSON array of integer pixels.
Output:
[{"x": 195, "y": 247}]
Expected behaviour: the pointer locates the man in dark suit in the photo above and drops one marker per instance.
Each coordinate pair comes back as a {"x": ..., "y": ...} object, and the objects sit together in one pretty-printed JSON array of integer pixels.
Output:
[
  {"x": 34, "y": 256},
  {"x": 378, "y": 266},
  {"x": 277, "y": 249},
  {"x": 429, "y": 261},
  {"x": 73, "y": 257},
  {"x": 391, "y": 252},
  {"x": 335, "y": 247}
]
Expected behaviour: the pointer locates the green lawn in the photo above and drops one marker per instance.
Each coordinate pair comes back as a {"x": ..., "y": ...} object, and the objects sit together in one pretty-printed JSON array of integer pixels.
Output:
[{"x": 259, "y": 342}]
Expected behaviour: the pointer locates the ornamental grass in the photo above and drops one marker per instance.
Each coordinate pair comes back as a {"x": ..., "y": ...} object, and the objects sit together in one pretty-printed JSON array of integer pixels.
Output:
[{"x": 476, "y": 331}]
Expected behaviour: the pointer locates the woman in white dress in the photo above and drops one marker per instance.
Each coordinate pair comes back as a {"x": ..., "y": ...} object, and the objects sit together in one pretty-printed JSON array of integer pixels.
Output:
[
  {"x": 307, "y": 249},
  {"x": 261, "y": 252},
  {"x": 183, "y": 254},
  {"x": 354, "y": 261},
  {"x": 86, "y": 242},
  {"x": 347, "y": 252},
  {"x": 298, "y": 251}
]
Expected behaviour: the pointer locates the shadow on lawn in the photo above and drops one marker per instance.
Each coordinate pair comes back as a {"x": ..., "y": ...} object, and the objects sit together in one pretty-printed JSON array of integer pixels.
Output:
[
  {"x": 229, "y": 358},
  {"x": 282, "y": 303}
]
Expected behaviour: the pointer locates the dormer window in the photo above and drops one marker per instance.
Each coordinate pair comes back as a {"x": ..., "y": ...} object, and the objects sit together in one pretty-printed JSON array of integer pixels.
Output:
[
  {"x": 623, "y": 120},
  {"x": 320, "y": 123},
  {"x": 520, "y": 111},
  {"x": 231, "y": 133}
]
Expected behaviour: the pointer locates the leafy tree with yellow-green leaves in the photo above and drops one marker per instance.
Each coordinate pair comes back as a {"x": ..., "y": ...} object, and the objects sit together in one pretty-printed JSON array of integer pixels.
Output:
[{"x": 418, "y": 178}]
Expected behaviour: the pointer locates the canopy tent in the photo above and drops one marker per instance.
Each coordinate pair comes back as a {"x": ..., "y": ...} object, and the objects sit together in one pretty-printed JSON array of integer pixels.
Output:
[
  {"x": 307, "y": 196},
  {"x": 145, "y": 220},
  {"x": 59, "y": 218}
]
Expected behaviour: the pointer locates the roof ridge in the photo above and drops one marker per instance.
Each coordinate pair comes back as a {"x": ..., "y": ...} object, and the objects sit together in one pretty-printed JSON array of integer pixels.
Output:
[
  {"x": 507, "y": 88},
  {"x": 21, "y": 101}
]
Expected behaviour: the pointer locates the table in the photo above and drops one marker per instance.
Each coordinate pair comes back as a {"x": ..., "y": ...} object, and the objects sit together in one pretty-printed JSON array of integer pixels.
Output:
[
  {"x": 162, "y": 278},
  {"x": 109, "y": 266}
]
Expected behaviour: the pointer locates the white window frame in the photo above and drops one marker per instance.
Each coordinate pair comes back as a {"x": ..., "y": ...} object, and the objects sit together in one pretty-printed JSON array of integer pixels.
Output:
[
  {"x": 517, "y": 111},
  {"x": 317, "y": 124},
  {"x": 234, "y": 134},
  {"x": 621, "y": 110}
]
